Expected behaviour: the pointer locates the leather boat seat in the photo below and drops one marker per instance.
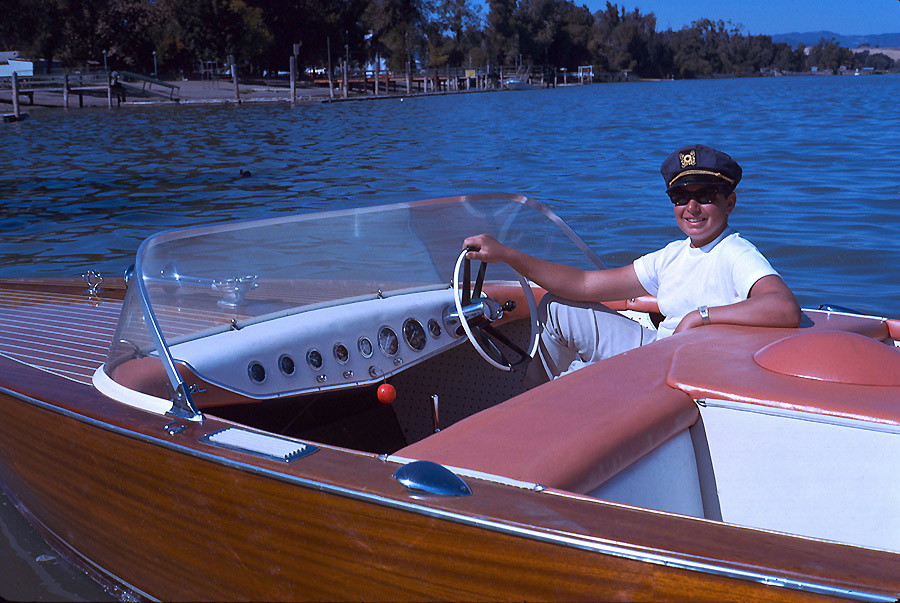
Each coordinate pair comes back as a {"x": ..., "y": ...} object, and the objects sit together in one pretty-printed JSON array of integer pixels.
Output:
[{"x": 574, "y": 433}]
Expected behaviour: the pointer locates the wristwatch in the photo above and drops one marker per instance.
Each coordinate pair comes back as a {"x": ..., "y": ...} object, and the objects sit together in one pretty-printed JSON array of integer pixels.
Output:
[{"x": 704, "y": 314}]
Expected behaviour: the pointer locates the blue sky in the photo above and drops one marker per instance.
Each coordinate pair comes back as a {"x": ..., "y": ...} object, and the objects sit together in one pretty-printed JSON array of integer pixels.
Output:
[{"x": 846, "y": 17}]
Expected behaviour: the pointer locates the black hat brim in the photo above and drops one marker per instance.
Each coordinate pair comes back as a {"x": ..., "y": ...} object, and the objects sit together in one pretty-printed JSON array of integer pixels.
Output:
[{"x": 687, "y": 178}]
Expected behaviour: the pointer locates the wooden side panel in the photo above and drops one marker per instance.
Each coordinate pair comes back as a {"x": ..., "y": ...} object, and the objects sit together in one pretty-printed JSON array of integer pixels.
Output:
[{"x": 181, "y": 527}]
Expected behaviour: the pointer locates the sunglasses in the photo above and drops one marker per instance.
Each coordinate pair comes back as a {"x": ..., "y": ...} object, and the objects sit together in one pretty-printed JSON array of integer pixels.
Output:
[{"x": 703, "y": 196}]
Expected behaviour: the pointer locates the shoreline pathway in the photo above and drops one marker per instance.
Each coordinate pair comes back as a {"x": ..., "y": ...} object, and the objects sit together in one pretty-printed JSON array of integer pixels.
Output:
[{"x": 199, "y": 92}]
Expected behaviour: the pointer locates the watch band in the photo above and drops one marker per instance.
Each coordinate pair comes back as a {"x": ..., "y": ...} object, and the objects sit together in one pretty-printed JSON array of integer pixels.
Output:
[{"x": 704, "y": 314}]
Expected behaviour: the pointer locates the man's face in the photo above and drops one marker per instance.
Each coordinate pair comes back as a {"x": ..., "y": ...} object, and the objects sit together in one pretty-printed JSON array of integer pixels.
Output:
[{"x": 703, "y": 222}]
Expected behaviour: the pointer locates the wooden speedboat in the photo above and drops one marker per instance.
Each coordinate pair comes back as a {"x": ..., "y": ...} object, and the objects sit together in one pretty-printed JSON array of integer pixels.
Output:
[{"x": 223, "y": 428}]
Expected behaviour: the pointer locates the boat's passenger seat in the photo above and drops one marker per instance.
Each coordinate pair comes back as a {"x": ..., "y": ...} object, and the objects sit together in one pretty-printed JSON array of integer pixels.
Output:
[{"x": 607, "y": 430}]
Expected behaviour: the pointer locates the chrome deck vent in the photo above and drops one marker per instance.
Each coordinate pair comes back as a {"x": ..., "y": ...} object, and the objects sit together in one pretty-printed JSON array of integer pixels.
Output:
[{"x": 260, "y": 444}]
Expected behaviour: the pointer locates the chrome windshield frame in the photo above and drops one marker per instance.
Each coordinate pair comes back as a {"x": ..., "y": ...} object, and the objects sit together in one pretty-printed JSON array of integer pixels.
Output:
[{"x": 182, "y": 404}]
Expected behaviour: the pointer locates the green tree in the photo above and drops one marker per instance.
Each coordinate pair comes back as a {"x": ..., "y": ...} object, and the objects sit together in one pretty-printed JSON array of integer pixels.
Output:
[
  {"x": 65, "y": 31},
  {"x": 554, "y": 32},
  {"x": 623, "y": 41},
  {"x": 878, "y": 61},
  {"x": 210, "y": 30},
  {"x": 397, "y": 27},
  {"x": 501, "y": 34},
  {"x": 125, "y": 30},
  {"x": 829, "y": 55},
  {"x": 453, "y": 32}
]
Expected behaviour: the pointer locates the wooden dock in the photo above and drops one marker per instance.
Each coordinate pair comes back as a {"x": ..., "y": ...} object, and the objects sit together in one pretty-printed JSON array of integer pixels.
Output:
[
  {"x": 436, "y": 80},
  {"x": 117, "y": 85}
]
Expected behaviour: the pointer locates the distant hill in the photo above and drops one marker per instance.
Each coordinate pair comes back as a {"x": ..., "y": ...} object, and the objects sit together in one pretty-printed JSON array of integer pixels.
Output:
[{"x": 812, "y": 38}]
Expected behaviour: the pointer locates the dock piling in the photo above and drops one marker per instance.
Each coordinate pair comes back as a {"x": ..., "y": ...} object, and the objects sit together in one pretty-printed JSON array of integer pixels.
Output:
[
  {"x": 15, "y": 94},
  {"x": 377, "y": 72},
  {"x": 293, "y": 79},
  {"x": 237, "y": 92}
]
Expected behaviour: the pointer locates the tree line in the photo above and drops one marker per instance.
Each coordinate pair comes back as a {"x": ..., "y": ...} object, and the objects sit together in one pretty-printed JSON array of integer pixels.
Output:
[{"x": 174, "y": 36}]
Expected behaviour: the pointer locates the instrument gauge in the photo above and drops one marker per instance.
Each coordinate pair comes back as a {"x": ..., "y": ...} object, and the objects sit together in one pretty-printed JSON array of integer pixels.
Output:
[
  {"x": 365, "y": 347},
  {"x": 341, "y": 353},
  {"x": 434, "y": 327},
  {"x": 257, "y": 372},
  {"x": 388, "y": 341},
  {"x": 414, "y": 334},
  {"x": 286, "y": 364},
  {"x": 314, "y": 359}
]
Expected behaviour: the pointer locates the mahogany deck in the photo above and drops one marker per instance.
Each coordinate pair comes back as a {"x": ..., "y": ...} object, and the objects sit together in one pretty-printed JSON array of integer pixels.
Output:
[{"x": 67, "y": 335}]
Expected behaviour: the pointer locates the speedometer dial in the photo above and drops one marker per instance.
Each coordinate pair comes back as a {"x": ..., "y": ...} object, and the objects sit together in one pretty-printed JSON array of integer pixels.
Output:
[
  {"x": 414, "y": 333},
  {"x": 387, "y": 341}
]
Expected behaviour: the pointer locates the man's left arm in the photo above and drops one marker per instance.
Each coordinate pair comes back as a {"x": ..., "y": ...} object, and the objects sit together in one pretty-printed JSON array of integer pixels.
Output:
[{"x": 771, "y": 303}]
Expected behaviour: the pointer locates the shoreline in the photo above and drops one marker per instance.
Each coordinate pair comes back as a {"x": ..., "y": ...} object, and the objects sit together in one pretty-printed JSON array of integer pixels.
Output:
[
  {"x": 221, "y": 92},
  {"x": 194, "y": 92}
]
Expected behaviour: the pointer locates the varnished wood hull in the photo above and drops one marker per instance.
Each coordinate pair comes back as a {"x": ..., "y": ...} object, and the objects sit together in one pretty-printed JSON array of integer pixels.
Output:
[
  {"x": 175, "y": 519},
  {"x": 176, "y": 526}
]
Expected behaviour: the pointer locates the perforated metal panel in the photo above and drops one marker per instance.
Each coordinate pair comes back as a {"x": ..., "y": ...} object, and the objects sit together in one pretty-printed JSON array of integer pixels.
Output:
[{"x": 463, "y": 381}]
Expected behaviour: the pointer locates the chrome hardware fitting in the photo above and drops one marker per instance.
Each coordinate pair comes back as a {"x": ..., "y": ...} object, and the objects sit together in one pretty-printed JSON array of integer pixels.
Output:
[
  {"x": 233, "y": 290},
  {"x": 93, "y": 281},
  {"x": 434, "y": 416},
  {"x": 426, "y": 477},
  {"x": 175, "y": 428}
]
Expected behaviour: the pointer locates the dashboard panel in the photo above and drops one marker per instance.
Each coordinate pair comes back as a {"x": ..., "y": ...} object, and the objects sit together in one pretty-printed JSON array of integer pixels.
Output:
[{"x": 347, "y": 345}]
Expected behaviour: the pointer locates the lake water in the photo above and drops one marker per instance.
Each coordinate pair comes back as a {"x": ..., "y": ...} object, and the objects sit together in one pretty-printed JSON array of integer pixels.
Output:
[{"x": 820, "y": 196}]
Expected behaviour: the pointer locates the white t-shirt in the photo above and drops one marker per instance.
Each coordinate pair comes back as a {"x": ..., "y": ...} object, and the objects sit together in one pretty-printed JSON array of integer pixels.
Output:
[{"x": 684, "y": 278}]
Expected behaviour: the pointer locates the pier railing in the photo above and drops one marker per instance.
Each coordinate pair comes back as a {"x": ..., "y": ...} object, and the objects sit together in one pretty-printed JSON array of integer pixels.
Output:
[
  {"x": 148, "y": 86},
  {"x": 437, "y": 79},
  {"x": 116, "y": 85}
]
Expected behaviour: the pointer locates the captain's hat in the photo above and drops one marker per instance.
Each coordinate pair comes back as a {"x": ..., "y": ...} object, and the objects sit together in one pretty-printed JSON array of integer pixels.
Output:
[{"x": 699, "y": 164}]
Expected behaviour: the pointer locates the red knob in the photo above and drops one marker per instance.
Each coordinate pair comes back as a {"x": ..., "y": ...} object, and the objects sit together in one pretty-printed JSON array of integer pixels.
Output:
[{"x": 386, "y": 393}]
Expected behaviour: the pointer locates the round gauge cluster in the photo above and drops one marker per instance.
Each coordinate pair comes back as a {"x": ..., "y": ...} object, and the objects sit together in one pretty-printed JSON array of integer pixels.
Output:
[{"x": 387, "y": 341}]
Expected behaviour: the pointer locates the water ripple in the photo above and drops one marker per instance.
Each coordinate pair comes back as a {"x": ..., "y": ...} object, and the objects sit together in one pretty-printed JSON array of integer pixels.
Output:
[{"x": 82, "y": 188}]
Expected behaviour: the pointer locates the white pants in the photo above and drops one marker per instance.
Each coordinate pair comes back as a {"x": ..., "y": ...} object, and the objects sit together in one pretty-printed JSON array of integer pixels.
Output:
[{"x": 577, "y": 334}]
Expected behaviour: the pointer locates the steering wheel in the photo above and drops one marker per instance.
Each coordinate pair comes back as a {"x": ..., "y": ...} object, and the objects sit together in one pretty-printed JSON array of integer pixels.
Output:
[{"x": 476, "y": 312}]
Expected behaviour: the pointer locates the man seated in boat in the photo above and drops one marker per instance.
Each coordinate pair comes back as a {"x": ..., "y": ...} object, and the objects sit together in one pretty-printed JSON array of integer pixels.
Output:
[{"x": 713, "y": 277}]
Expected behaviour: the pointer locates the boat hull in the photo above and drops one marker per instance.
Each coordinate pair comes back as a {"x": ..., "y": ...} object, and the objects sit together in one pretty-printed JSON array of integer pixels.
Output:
[{"x": 144, "y": 502}]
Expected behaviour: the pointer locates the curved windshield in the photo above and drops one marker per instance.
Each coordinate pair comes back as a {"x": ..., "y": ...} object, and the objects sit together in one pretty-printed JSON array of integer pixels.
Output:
[{"x": 198, "y": 281}]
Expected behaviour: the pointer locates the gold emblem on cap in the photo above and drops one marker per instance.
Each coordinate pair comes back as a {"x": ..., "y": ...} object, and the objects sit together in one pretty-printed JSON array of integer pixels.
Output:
[{"x": 688, "y": 159}]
